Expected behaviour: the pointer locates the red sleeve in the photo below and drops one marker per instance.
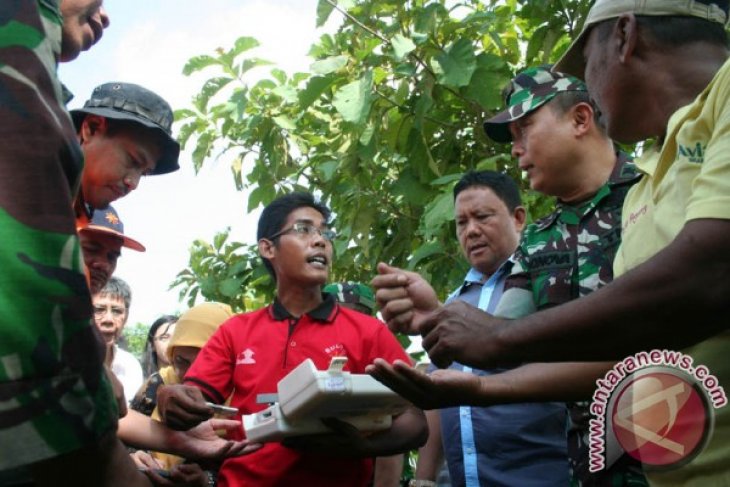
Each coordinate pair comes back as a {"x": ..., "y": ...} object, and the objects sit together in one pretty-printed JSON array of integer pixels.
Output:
[
  {"x": 212, "y": 371},
  {"x": 387, "y": 346}
]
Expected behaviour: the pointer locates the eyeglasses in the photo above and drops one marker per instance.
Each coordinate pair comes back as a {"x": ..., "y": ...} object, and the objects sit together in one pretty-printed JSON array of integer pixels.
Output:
[
  {"x": 100, "y": 311},
  {"x": 307, "y": 230}
]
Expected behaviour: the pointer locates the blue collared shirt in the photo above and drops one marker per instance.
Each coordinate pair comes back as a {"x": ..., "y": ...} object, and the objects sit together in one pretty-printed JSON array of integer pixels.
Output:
[{"x": 505, "y": 445}]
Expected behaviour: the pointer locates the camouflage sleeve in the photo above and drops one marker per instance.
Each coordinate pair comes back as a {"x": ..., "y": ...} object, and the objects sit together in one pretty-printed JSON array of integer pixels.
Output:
[
  {"x": 54, "y": 397},
  {"x": 517, "y": 300}
]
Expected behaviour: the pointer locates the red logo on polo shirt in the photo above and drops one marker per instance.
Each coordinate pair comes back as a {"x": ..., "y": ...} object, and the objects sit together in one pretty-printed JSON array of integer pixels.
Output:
[
  {"x": 336, "y": 350},
  {"x": 246, "y": 357}
]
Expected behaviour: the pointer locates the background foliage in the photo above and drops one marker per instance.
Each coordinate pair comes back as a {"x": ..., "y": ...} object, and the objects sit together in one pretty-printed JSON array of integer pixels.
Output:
[
  {"x": 135, "y": 337},
  {"x": 388, "y": 117}
]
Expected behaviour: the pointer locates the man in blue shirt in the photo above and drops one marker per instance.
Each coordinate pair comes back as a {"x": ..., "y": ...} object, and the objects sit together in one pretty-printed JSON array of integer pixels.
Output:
[{"x": 505, "y": 445}]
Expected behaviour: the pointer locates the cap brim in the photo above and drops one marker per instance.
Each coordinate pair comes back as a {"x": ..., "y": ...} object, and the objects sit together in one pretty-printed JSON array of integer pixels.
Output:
[
  {"x": 497, "y": 127},
  {"x": 130, "y": 243},
  {"x": 572, "y": 62},
  {"x": 171, "y": 151}
]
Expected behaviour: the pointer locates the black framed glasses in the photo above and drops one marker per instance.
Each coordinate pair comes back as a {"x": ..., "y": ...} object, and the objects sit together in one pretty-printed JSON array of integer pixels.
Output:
[{"x": 306, "y": 230}]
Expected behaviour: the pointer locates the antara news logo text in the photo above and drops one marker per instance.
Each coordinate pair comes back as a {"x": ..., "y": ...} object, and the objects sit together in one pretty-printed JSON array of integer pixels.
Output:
[{"x": 657, "y": 407}]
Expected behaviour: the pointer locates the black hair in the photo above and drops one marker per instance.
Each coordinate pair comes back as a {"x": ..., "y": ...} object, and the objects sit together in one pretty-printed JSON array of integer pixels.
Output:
[
  {"x": 150, "y": 364},
  {"x": 565, "y": 100},
  {"x": 275, "y": 214},
  {"x": 503, "y": 186},
  {"x": 674, "y": 30}
]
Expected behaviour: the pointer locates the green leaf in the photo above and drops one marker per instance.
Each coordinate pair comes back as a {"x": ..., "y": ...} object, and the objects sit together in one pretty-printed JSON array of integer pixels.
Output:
[
  {"x": 210, "y": 88},
  {"x": 324, "y": 9},
  {"x": 328, "y": 65},
  {"x": 243, "y": 44},
  {"x": 439, "y": 212},
  {"x": 405, "y": 69},
  {"x": 255, "y": 198},
  {"x": 414, "y": 192},
  {"x": 327, "y": 169},
  {"x": 486, "y": 85},
  {"x": 183, "y": 113},
  {"x": 423, "y": 252},
  {"x": 237, "y": 268},
  {"x": 249, "y": 64},
  {"x": 536, "y": 42},
  {"x": 314, "y": 89},
  {"x": 402, "y": 46},
  {"x": 202, "y": 149},
  {"x": 288, "y": 93},
  {"x": 219, "y": 240},
  {"x": 353, "y": 100},
  {"x": 449, "y": 178},
  {"x": 197, "y": 63},
  {"x": 457, "y": 64},
  {"x": 279, "y": 75},
  {"x": 490, "y": 163},
  {"x": 285, "y": 122},
  {"x": 230, "y": 287},
  {"x": 367, "y": 134},
  {"x": 184, "y": 134}
]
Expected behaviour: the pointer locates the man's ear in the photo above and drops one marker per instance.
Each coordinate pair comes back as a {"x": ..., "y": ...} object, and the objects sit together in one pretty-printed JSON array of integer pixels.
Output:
[
  {"x": 520, "y": 216},
  {"x": 93, "y": 125},
  {"x": 583, "y": 118},
  {"x": 625, "y": 35},
  {"x": 266, "y": 248}
]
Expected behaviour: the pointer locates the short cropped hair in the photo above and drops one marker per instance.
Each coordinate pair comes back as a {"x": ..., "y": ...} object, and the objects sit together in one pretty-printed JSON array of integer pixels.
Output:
[
  {"x": 673, "y": 30},
  {"x": 275, "y": 214},
  {"x": 503, "y": 186},
  {"x": 564, "y": 101},
  {"x": 119, "y": 289}
]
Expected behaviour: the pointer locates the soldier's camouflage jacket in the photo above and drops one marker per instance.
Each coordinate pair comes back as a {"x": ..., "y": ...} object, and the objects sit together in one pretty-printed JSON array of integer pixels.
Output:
[
  {"x": 561, "y": 257},
  {"x": 54, "y": 397}
]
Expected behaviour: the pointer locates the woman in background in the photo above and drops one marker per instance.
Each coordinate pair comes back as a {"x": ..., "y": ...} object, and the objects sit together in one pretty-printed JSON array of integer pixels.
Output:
[
  {"x": 192, "y": 331},
  {"x": 154, "y": 356}
]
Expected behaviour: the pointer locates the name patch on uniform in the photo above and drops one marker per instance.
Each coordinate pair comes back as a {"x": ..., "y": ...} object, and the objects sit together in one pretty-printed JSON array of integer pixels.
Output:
[{"x": 552, "y": 260}]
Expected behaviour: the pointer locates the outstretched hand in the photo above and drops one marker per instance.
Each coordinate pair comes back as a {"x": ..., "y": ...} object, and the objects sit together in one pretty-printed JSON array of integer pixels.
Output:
[
  {"x": 439, "y": 389},
  {"x": 404, "y": 298},
  {"x": 203, "y": 441}
]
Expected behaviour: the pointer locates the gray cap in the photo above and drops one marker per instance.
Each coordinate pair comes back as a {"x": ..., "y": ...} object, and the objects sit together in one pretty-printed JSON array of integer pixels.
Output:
[
  {"x": 572, "y": 61},
  {"x": 127, "y": 101}
]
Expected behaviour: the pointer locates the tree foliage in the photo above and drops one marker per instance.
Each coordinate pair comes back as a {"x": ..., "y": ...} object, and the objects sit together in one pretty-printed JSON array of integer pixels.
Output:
[
  {"x": 388, "y": 117},
  {"x": 135, "y": 337}
]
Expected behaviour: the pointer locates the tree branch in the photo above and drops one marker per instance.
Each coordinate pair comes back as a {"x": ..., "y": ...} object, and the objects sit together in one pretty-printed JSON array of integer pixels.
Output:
[{"x": 415, "y": 57}]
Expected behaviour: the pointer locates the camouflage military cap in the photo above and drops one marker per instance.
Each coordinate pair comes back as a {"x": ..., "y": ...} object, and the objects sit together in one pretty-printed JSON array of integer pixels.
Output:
[
  {"x": 528, "y": 91},
  {"x": 352, "y": 293}
]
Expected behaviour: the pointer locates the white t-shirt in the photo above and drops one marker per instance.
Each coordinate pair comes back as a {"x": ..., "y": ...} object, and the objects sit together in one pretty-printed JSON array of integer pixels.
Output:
[{"x": 129, "y": 372}]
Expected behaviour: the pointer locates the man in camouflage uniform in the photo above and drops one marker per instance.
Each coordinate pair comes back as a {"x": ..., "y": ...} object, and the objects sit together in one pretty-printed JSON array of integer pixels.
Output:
[
  {"x": 565, "y": 153},
  {"x": 569, "y": 253},
  {"x": 45, "y": 358},
  {"x": 56, "y": 403}
]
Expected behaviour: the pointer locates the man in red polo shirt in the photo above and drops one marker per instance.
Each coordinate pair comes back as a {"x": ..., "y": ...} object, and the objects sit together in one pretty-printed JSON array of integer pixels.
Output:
[{"x": 251, "y": 352}]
